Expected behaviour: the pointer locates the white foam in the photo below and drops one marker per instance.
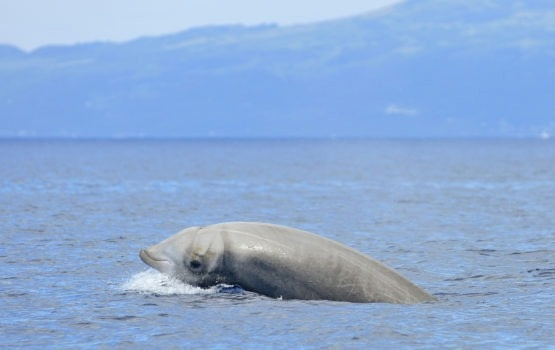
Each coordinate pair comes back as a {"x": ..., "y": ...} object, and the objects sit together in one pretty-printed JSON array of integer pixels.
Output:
[{"x": 154, "y": 282}]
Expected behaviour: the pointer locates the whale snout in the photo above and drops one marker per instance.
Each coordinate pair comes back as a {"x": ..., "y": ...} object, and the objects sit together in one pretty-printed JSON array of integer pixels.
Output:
[
  {"x": 145, "y": 257},
  {"x": 160, "y": 263}
]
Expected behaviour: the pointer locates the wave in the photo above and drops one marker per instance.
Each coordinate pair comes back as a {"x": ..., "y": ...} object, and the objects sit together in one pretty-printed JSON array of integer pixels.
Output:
[{"x": 154, "y": 282}]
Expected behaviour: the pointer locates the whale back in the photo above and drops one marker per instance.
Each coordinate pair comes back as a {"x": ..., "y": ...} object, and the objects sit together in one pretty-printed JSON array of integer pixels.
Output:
[{"x": 289, "y": 263}]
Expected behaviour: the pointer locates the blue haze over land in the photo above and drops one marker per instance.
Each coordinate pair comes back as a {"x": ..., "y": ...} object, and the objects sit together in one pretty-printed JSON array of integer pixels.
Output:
[{"x": 417, "y": 69}]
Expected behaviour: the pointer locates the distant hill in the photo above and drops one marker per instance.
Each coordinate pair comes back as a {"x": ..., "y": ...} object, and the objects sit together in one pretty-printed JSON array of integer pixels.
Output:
[{"x": 421, "y": 68}]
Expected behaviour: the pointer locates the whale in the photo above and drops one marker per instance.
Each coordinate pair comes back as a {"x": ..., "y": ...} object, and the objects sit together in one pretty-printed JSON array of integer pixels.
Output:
[{"x": 279, "y": 262}]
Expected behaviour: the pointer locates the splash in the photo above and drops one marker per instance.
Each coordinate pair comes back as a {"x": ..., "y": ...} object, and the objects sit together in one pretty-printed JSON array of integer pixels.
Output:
[{"x": 154, "y": 282}]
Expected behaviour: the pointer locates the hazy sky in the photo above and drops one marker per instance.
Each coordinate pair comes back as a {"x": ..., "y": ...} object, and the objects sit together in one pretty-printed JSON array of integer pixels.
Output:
[{"x": 32, "y": 23}]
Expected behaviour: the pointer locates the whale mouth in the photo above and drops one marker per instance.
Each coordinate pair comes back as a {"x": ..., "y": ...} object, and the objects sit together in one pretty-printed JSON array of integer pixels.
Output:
[{"x": 157, "y": 263}]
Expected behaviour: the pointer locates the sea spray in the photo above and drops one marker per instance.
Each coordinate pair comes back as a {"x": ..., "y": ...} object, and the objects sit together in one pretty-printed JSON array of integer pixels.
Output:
[{"x": 154, "y": 282}]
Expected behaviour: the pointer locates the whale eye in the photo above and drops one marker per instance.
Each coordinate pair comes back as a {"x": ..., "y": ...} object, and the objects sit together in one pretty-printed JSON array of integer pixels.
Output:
[{"x": 194, "y": 264}]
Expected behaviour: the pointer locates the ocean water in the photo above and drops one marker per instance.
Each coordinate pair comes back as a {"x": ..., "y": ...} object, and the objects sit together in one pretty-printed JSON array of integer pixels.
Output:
[{"x": 470, "y": 221}]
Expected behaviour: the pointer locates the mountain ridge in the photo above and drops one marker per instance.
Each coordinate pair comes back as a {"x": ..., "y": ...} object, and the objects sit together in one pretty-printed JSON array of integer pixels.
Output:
[{"x": 416, "y": 69}]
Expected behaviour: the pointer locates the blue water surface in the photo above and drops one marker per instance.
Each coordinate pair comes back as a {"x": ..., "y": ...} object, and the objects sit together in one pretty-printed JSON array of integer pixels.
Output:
[{"x": 470, "y": 221}]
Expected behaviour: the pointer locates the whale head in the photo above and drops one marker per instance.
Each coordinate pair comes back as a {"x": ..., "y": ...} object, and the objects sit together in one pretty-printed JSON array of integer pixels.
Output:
[{"x": 193, "y": 256}]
